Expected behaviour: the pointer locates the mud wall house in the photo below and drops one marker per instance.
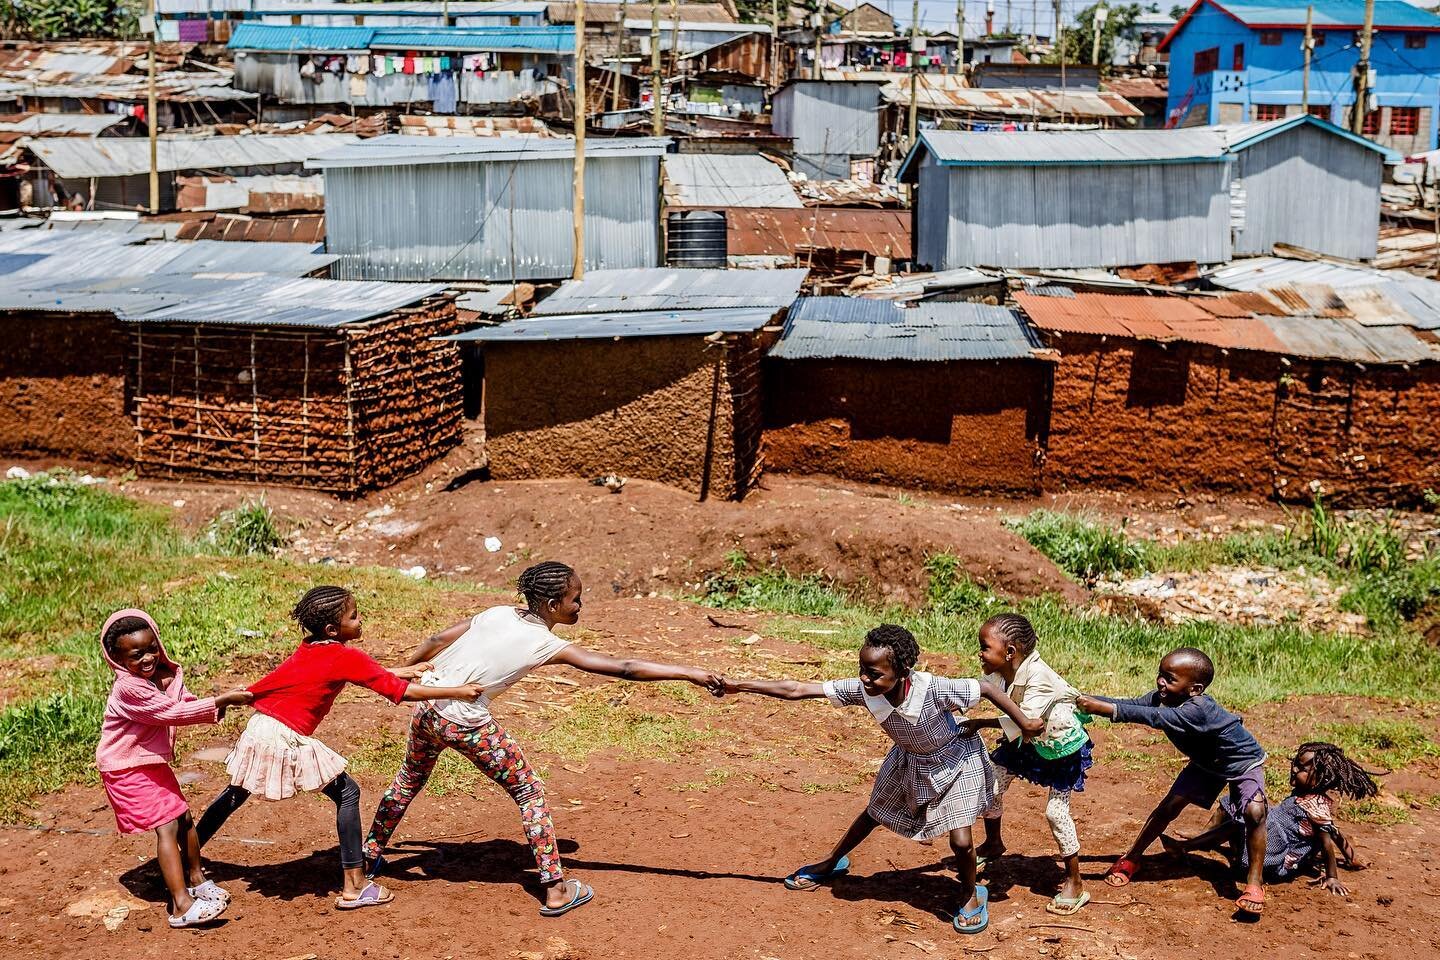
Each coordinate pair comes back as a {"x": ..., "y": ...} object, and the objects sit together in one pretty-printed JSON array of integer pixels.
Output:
[
  {"x": 1282, "y": 170},
  {"x": 831, "y": 123},
  {"x": 1231, "y": 394},
  {"x": 1069, "y": 199},
  {"x": 113, "y": 174},
  {"x": 446, "y": 70},
  {"x": 488, "y": 208},
  {"x": 945, "y": 396}
]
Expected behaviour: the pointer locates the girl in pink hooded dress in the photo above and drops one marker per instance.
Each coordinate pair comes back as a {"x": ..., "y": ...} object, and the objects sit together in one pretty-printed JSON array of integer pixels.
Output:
[{"x": 137, "y": 743}]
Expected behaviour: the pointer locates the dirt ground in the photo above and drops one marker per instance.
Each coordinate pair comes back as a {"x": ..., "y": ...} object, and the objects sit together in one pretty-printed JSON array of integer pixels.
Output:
[{"x": 686, "y": 852}]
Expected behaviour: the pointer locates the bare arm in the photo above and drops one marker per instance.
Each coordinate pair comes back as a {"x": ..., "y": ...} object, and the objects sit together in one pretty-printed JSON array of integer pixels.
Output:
[
  {"x": 1030, "y": 727},
  {"x": 1331, "y": 880},
  {"x": 972, "y": 725},
  {"x": 607, "y": 666},
  {"x": 418, "y": 691},
  {"x": 779, "y": 689},
  {"x": 431, "y": 648}
]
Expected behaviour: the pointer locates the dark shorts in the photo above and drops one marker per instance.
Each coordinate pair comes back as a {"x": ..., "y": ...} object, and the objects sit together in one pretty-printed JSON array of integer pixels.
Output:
[{"x": 1201, "y": 787}]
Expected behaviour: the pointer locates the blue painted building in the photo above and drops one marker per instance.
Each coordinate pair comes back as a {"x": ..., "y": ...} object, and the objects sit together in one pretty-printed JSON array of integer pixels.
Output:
[{"x": 1237, "y": 61}]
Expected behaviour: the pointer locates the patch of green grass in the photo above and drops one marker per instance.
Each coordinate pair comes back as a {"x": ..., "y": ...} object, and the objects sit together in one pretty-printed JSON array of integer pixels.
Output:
[
  {"x": 713, "y": 778},
  {"x": 740, "y": 588},
  {"x": 1082, "y": 546},
  {"x": 602, "y": 719},
  {"x": 1373, "y": 810},
  {"x": 1389, "y": 744},
  {"x": 247, "y": 530},
  {"x": 1113, "y": 655},
  {"x": 382, "y": 755}
]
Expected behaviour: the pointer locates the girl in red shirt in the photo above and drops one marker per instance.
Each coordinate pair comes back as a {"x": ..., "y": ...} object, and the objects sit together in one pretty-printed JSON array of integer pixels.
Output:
[{"x": 277, "y": 757}]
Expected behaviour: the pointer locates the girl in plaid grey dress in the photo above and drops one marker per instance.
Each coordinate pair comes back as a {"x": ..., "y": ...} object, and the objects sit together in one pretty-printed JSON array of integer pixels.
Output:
[{"x": 934, "y": 780}]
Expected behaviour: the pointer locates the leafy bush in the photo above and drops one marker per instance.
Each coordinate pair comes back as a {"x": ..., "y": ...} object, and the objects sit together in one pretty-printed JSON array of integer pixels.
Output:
[{"x": 1081, "y": 546}]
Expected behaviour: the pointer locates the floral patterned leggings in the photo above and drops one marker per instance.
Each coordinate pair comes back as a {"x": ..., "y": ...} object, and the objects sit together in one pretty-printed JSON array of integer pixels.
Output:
[{"x": 496, "y": 754}]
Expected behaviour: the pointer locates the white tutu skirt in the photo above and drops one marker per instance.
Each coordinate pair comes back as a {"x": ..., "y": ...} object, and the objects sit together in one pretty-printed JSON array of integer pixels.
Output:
[{"x": 272, "y": 761}]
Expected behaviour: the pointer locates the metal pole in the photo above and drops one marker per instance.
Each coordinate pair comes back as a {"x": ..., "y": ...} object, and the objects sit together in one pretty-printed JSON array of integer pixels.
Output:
[
  {"x": 914, "y": 74},
  {"x": 1309, "y": 52},
  {"x": 674, "y": 42},
  {"x": 959, "y": 36},
  {"x": 580, "y": 112},
  {"x": 1059, "y": 44},
  {"x": 774, "y": 39},
  {"x": 657, "y": 109},
  {"x": 1362, "y": 70},
  {"x": 1097, "y": 20},
  {"x": 152, "y": 119},
  {"x": 819, "y": 22}
]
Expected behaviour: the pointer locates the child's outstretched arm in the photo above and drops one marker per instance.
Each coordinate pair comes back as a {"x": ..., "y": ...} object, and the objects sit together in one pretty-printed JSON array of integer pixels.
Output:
[
  {"x": 1332, "y": 850},
  {"x": 432, "y": 646},
  {"x": 466, "y": 691},
  {"x": 154, "y": 708},
  {"x": 578, "y": 657},
  {"x": 779, "y": 689},
  {"x": 1029, "y": 727}
]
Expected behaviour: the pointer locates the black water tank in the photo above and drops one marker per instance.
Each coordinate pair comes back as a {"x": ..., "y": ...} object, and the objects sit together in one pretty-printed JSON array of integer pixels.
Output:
[{"x": 695, "y": 238}]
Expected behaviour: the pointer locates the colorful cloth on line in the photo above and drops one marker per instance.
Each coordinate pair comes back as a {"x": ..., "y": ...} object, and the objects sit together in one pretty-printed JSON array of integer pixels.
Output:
[{"x": 933, "y": 780}]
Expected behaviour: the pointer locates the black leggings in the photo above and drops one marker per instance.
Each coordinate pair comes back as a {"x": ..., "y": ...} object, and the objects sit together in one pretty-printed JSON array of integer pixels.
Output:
[{"x": 343, "y": 790}]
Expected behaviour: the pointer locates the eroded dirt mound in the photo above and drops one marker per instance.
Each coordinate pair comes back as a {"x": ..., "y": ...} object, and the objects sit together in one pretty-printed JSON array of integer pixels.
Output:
[{"x": 649, "y": 537}]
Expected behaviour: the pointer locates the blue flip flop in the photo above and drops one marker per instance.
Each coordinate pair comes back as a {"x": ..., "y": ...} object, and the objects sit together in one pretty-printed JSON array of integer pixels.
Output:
[
  {"x": 373, "y": 868},
  {"x": 583, "y": 895},
  {"x": 983, "y": 912},
  {"x": 808, "y": 878}
]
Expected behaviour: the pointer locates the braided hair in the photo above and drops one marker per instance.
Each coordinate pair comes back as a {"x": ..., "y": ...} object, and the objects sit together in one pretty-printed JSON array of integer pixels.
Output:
[
  {"x": 1335, "y": 771},
  {"x": 319, "y": 608},
  {"x": 545, "y": 581},
  {"x": 900, "y": 643},
  {"x": 120, "y": 628},
  {"x": 1016, "y": 630}
]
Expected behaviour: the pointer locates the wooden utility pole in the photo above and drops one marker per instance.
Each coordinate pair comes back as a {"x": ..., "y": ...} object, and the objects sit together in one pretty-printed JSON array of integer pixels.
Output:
[
  {"x": 819, "y": 24},
  {"x": 674, "y": 42},
  {"x": 619, "y": 58},
  {"x": 914, "y": 75},
  {"x": 1362, "y": 71},
  {"x": 1309, "y": 45},
  {"x": 1059, "y": 44},
  {"x": 152, "y": 119},
  {"x": 1097, "y": 20},
  {"x": 580, "y": 112},
  {"x": 773, "y": 77},
  {"x": 657, "y": 107},
  {"x": 959, "y": 36}
]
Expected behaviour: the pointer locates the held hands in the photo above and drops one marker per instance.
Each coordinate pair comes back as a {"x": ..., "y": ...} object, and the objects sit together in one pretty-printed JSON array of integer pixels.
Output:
[{"x": 712, "y": 682}]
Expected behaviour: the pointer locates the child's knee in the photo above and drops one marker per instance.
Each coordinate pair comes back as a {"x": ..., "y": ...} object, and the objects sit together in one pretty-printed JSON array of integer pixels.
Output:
[
  {"x": 962, "y": 841},
  {"x": 1256, "y": 812}
]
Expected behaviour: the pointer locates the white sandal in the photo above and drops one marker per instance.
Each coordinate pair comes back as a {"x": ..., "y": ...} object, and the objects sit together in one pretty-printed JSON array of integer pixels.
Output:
[
  {"x": 201, "y": 911},
  {"x": 210, "y": 890}
]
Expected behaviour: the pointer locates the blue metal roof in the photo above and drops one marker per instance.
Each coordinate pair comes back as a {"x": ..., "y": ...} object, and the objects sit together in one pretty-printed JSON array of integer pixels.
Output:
[
  {"x": 824, "y": 328},
  {"x": 262, "y": 36},
  {"x": 1330, "y": 13},
  {"x": 622, "y": 325},
  {"x": 271, "y": 38}
]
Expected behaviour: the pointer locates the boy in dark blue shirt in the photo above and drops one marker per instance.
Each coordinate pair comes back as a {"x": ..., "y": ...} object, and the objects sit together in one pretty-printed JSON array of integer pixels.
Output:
[{"x": 1221, "y": 751}]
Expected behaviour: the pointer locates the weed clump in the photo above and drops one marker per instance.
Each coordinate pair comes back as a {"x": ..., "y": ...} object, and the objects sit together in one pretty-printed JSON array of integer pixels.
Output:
[{"x": 247, "y": 530}]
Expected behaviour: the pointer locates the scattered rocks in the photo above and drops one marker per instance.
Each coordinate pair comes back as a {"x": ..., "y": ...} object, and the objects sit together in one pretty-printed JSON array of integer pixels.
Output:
[{"x": 1261, "y": 596}]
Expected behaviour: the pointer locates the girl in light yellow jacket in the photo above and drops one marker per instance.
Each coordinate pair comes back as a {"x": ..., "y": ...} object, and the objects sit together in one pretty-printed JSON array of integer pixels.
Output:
[{"x": 1057, "y": 760}]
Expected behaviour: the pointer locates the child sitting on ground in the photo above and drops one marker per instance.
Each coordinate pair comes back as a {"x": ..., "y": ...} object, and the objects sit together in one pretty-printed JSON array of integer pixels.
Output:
[
  {"x": 1300, "y": 831},
  {"x": 1221, "y": 751},
  {"x": 1056, "y": 760},
  {"x": 935, "y": 780},
  {"x": 137, "y": 742}
]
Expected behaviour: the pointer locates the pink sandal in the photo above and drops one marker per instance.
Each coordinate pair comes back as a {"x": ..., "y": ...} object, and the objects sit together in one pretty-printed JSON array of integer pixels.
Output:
[{"x": 1122, "y": 872}]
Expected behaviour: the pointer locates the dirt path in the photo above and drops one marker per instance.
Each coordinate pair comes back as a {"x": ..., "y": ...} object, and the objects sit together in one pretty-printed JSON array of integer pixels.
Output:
[{"x": 686, "y": 851}]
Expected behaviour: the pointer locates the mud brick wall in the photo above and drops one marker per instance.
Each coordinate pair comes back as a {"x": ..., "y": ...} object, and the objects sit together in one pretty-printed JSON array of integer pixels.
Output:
[
  {"x": 956, "y": 426},
  {"x": 62, "y": 387},
  {"x": 639, "y": 407},
  {"x": 1138, "y": 415},
  {"x": 344, "y": 410}
]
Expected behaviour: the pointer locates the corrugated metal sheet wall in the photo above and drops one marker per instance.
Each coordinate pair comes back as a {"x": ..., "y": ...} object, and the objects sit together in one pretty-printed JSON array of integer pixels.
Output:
[
  {"x": 1084, "y": 215},
  {"x": 1310, "y": 189},
  {"x": 278, "y": 75},
  {"x": 453, "y": 221},
  {"x": 829, "y": 120},
  {"x": 930, "y": 227}
]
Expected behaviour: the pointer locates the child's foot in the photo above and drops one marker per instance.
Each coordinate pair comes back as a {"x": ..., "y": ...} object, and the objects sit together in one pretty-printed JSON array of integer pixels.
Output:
[
  {"x": 1173, "y": 844},
  {"x": 209, "y": 890},
  {"x": 573, "y": 894},
  {"x": 200, "y": 911},
  {"x": 1122, "y": 872},
  {"x": 1252, "y": 901},
  {"x": 987, "y": 852},
  {"x": 808, "y": 878},
  {"x": 975, "y": 915},
  {"x": 373, "y": 895}
]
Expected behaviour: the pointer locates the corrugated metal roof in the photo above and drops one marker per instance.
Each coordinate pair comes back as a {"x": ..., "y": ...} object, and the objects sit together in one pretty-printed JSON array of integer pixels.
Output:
[
  {"x": 623, "y": 325},
  {"x": 76, "y": 158},
  {"x": 726, "y": 180},
  {"x": 61, "y": 124},
  {"x": 950, "y": 93},
  {"x": 279, "y": 39},
  {"x": 1330, "y": 13},
  {"x": 399, "y": 150},
  {"x": 619, "y": 291},
  {"x": 1374, "y": 297},
  {"x": 278, "y": 302},
  {"x": 956, "y": 148},
  {"x": 917, "y": 286},
  {"x": 1241, "y": 136},
  {"x": 70, "y": 255},
  {"x": 269, "y": 38},
  {"x": 833, "y": 327},
  {"x": 1170, "y": 318},
  {"x": 880, "y": 233}
]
